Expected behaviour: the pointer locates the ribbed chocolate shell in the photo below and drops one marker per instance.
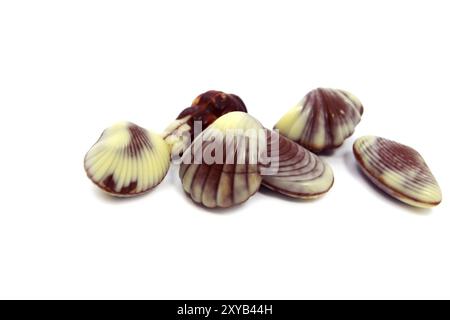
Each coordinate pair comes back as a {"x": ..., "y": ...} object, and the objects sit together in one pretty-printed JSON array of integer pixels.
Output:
[
  {"x": 322, "y": 120},
  {"x": 231, "y": 177},
  {"x": 127, "y": 160},
  {"x": 220, "y": 185},
  {"x": 398, "y": 170},
  {"x": 296, "y": 172}
]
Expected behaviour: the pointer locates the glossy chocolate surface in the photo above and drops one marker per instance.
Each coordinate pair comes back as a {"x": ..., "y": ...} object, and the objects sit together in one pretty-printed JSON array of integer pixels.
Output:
[
  {"x": 300, "y": 173},
  {"x": 205, "y": 109},
  {"x": 217, "y": 176},
  {"x": 398, "y": 170},
  {"x": 127, "y": 160},
  {"x": 322, "y": 120},
  {"x": 211, "y": 105}
]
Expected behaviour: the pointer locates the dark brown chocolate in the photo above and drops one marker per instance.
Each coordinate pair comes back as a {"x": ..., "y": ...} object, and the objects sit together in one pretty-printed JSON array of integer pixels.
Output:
[{"x": 209, "y": 106}]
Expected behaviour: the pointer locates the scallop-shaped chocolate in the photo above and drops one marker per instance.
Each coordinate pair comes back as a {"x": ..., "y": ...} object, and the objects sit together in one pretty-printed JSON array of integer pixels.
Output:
[
  {"x": 205, "y": 109},
  {"x": 295, "y": 171},
  {"x": 127, "y": 160},
  {"x": 220, "y": 168},
  {"x": 322, "y": 120},
  {"x": 398, "y": 170}
]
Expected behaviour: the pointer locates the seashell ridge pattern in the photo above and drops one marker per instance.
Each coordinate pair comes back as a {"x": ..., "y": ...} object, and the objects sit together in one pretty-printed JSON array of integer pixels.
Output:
[
  {"x": 398, "y": 170},
  {"x": 127, "y": 160},
  {"x": 295, "y": 171},
  {"x": 225, "y": 174},
  {"x": 322, "y": 120}
]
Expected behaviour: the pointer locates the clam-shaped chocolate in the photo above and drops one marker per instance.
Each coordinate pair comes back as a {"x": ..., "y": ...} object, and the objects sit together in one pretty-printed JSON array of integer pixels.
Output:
[
  {"x": 295, "y": 171},
  {"x": 127, "y": 160},
  {"x": 322, "y": 120},
  {"x": 398, "y": 170},
  {"x": 220, "y": 168},
  {"x": 205, "y": 109}
]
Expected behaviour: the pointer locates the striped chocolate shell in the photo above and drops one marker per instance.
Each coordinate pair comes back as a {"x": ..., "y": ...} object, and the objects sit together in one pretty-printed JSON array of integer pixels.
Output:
[
  {"x": 205, "y": 109},
  {"x": 398, "y": 170},
  {"x": 295, "y": 171},
  {"x": 127, "y": 160},
  {"x": 322, "y": 120},
  {"x": 220, "y": 169}
]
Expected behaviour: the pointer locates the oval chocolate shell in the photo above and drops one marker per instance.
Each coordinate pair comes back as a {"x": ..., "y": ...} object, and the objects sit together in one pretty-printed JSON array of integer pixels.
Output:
[
  {"x": 296, "y": 172},
  {"x": 220, "y": 169},
  {"x": 398, "y": 170},
  {"x": 127, "y": 160},
  {"x": 322, "y": 120}
]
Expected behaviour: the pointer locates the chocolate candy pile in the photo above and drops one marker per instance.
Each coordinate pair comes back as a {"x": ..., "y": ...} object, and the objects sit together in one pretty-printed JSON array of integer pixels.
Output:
[{"x": 225, "y": 154}]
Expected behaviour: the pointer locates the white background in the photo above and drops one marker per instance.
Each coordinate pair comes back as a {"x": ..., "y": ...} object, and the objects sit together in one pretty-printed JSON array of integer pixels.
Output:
[{"x": 68, "y": 69}]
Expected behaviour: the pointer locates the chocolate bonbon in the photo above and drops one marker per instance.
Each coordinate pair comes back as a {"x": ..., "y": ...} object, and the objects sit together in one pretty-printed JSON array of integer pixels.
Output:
[
  {"x": 257, "y": 156},
  {"x": 398, "y": 170},
  {"x": 220, "y": 169},
  {"x": 322, "y": 120},
  {"x": 299, "y": 173},
  {"x": 127, "y": 160},
  {"x": 204, "y": 110}
]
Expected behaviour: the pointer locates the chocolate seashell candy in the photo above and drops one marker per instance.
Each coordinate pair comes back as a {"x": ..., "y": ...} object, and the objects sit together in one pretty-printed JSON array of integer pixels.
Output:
[
  {"x": 205, "y": 109},
  {"x": 219, "y": 169},
  {"x": 227, "y": 163},
  {"x": 297, "y": 173},
  {"x": 398, "y": 170},
  {"x": 127, "y": 160},
  {"x": 322, "y": 120}
]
